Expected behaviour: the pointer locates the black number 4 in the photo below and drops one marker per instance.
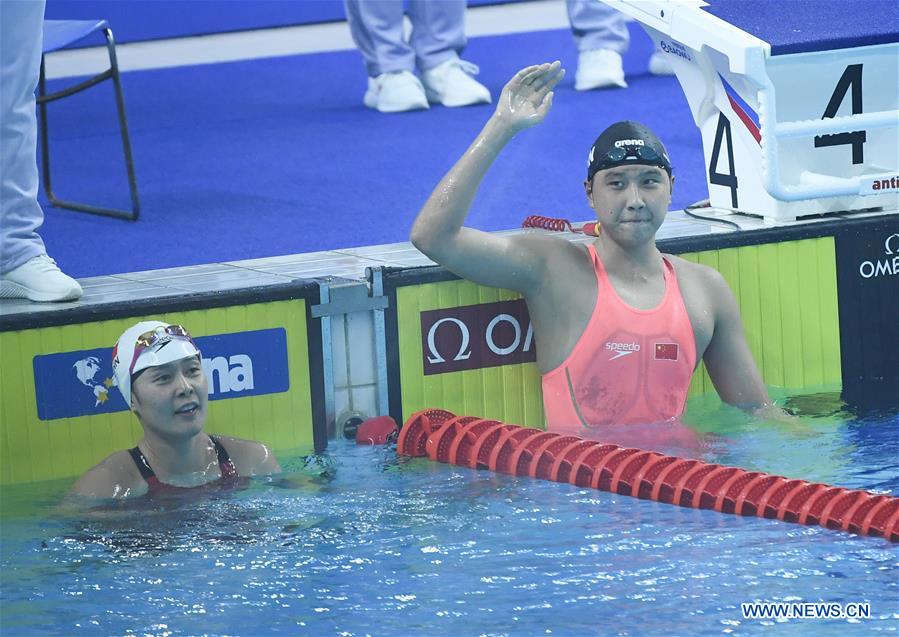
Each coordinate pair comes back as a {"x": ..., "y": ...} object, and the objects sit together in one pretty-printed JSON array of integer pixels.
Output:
[
  {"x": 851, "y": 80},
  {"x": 728, "y": 179}
]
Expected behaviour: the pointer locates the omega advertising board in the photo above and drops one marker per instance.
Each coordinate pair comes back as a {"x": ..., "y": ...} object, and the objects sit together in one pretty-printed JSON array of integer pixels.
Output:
[
  {"x": 818, "y": 303},
  {"x": 868, "y": 271},
  {"x": 460, "y": 346},
  {"x": 62, "y": 413}
]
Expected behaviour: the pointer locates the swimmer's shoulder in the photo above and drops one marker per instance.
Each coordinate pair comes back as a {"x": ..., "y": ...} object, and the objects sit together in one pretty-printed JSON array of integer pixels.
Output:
[
  {"x": 115, "y": 477},
  {"x": 554, "y": 250},
  {"x": 251, "y": 458},
  {"x": 564, "y": 267}
]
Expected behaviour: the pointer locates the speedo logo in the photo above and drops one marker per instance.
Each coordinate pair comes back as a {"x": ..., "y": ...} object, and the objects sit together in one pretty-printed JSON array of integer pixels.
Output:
[{"x": 622, "y": 349}]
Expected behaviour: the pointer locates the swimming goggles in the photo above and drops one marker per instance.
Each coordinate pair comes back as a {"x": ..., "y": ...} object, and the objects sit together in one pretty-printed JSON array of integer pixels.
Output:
[
  {"x": 156, "y": 337},
  {"x": 616, "y": 156}
]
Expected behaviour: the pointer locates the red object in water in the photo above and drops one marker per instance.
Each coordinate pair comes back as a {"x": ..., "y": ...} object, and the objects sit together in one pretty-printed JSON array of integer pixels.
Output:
[
  {"x": 560, "y": 225},
  {"x": 414, "y": 434},
  {"x": 521, "y": 451},
  {"x": 375, "y": 431}
]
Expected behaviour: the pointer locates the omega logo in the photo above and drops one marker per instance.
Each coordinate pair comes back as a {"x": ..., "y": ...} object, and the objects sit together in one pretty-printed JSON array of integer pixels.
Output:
[
  {"x": 435, "y": 356},
  {"x": 464, "y": 352},
  {"x": 505, "y": 351},
  {"x": 476, "y": 336},
  {"x": 881, "y": 267}
]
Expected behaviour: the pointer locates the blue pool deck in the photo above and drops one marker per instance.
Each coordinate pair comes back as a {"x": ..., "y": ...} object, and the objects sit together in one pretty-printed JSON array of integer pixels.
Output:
[{"x": 802, "y": 26}]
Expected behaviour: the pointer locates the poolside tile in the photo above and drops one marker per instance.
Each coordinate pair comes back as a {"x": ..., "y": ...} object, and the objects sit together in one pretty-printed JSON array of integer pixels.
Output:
[
  {"x": 170, "y": 273},
  {"x": 100, "y": 281},
  {"x": 228, "y": 281},
  {"x": 134, "y": 295},
  {"x": 12, "y": 307}
]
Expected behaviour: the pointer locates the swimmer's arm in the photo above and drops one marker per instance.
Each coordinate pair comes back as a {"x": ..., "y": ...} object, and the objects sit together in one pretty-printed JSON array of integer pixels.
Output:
[
  {"x": 266, "y": 464},
  {"x": 250, "y": 457},
  {"x": 485, "y": 258},
  {"x": 113, "y": 479},
  {"x": 727, "y": 358}
]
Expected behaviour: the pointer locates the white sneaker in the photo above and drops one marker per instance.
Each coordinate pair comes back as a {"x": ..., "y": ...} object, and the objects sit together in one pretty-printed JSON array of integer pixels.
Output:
[
  {"x": 395, "y": 92},
  {"x": 39, "y": 279},
  {"x": 599, "y": 68},
  {"x": 659, "y": 64},
  {"x": 451, "y": 84}
]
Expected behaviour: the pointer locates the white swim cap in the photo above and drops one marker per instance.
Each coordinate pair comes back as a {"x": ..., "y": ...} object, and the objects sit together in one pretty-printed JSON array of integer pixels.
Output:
[{"x": 148, "y": 344}]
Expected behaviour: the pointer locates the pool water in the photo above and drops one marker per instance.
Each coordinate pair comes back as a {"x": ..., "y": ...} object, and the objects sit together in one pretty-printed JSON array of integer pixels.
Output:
[{"x": 360, "y": 542}]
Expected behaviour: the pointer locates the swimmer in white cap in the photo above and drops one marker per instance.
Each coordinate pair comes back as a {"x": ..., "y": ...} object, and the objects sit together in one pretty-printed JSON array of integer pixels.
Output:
[{"x": 157, "y": 368}]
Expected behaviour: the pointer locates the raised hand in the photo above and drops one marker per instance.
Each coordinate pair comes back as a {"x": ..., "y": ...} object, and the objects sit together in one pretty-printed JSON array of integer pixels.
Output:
[{"x": 528, "y": 96}]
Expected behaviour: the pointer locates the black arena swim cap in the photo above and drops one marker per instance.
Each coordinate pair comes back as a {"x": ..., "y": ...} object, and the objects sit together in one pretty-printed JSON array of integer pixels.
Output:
[{"x": 625, "y": 143}]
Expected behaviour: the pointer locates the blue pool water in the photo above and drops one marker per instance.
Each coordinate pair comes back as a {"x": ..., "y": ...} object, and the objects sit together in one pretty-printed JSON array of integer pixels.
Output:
[{"x": 358, "y": 542}]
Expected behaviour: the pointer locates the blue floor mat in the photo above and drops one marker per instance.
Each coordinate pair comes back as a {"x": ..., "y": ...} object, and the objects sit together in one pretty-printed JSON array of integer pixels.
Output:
[
  {"x": 137, "y": 20},
  {"x": 277, "y": 156}
]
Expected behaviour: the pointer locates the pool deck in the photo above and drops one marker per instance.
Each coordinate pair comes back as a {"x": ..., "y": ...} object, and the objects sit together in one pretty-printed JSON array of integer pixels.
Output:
[{"x": 349, "y": 264}]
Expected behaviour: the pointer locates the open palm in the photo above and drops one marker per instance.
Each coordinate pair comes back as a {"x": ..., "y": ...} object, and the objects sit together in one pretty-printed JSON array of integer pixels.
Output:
[{"x": 527, "y": 97}]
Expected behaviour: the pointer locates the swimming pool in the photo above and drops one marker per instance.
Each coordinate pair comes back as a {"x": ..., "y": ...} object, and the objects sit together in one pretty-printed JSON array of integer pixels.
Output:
[{"x": 360, "y": 542}]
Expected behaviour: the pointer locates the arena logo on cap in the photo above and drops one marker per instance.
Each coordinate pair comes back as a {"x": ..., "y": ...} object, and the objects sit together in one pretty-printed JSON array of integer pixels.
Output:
[
  {"x": 629, "y": 142},
  {"x": 81, "y": 383},
  {"x": 476, "y": 336}
]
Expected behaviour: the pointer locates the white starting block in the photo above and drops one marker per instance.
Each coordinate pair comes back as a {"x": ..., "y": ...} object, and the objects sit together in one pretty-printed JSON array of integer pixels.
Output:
[{"x": 796, "y": 99}]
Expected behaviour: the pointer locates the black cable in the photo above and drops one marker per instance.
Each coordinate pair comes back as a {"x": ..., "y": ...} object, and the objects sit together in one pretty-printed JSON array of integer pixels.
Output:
[{"x": 704, "y": 204}]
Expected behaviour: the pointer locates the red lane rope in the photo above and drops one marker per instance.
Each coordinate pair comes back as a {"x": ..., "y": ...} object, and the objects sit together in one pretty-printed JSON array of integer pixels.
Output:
[
  {"x": 560, "y": 225},
  {"x": 490, "y": 444}
]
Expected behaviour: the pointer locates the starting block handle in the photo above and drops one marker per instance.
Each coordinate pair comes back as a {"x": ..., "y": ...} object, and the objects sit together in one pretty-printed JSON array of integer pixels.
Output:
[
  {"x": 826, "y": 186},
  {"x": 844, "y": 124}
]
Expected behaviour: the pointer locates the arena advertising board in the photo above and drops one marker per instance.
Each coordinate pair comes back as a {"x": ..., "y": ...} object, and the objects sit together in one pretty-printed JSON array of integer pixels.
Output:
[
  {"x": 81, "y": 383},
  {"x": 262, "y": 360}
]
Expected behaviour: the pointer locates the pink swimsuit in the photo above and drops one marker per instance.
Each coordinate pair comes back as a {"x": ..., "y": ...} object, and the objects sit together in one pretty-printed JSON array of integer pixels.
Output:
[{"x": 629, "y": 366}]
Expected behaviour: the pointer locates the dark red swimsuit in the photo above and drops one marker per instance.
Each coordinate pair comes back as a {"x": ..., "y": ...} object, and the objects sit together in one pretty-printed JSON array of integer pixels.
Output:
[{"x": 226, "y": 465}]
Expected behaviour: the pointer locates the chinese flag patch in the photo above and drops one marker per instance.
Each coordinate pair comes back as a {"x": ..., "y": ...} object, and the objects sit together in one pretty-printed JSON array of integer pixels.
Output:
[{"x": 666, "y": 352}]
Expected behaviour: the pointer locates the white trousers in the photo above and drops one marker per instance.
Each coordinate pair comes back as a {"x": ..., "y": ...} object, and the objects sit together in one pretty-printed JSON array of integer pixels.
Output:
[
  {"x": 438, "y": 33},
  {"x": 595, "y": 25},
  {"x": 21, "y": 39}
]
